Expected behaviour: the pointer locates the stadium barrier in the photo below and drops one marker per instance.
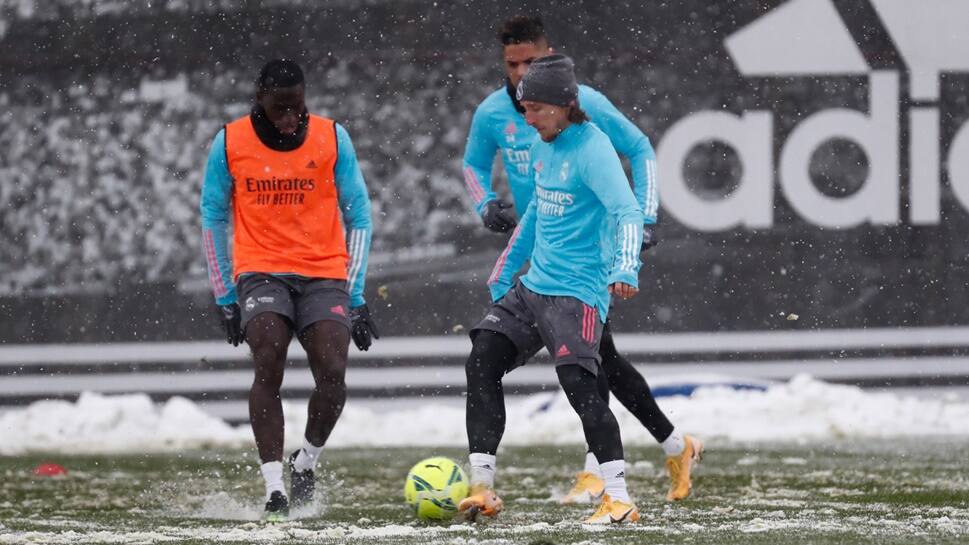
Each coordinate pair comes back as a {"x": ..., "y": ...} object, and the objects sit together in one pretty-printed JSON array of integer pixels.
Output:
[{"x": 217, "y": 375}]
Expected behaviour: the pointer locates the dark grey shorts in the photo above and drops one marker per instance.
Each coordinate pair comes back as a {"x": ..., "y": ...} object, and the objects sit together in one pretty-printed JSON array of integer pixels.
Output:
[
  {"x": 567, "y": 327},
  {"x": 303, "y": 301}
]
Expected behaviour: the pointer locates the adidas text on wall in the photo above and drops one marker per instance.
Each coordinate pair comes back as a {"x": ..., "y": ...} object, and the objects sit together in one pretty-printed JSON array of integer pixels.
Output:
[{"x": 808, "y": 38}]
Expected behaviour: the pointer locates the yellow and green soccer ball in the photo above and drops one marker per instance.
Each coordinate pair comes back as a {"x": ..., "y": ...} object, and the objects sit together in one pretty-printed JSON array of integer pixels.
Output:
[{"x": 434, "y": 487}]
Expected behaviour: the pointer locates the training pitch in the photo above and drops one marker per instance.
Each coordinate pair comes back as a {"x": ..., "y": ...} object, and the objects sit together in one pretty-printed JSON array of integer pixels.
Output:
[{"x": 905, "y": 491}]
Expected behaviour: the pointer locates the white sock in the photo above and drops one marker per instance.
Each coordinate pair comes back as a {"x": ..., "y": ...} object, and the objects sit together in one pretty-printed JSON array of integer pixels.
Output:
[
  {"x": 483, "y": 467},
  {"x": 674, "y": 444},
  {"x": 614, "y": 474},
  {"x": 272, "y": 473},
  {"x": 307, "y": 457},
  {"x": 591, "y": 464}
]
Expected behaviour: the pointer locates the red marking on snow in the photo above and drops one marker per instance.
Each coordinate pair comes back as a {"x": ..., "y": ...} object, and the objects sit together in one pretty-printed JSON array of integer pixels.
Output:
[{"x": 49, "y": 469}]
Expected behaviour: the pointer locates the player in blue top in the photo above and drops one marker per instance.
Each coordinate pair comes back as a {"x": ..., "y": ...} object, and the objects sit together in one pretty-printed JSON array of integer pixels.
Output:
[
  {"x": 582, "y": 232},
  {"x": 499, "y": 127},
  {"x": 301, "y": 225}
]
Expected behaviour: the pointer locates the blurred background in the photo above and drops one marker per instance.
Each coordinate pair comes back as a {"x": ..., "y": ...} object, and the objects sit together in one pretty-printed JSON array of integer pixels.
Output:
[{"x": 107, "y": 109}]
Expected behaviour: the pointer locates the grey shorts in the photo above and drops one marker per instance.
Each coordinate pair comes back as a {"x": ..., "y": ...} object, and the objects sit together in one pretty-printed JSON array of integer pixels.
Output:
[
  {"x": 303, "y": 301},
  {"x": 567, "y": 327}
]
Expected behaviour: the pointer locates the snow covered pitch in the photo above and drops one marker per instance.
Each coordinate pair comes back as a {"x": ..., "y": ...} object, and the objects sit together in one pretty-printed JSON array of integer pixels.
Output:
[
  {"x": 801, "y": 461},
  {"x": 847, "y": 491}
]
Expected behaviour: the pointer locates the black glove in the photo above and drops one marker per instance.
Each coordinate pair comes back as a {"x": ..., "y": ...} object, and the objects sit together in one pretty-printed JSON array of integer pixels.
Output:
[
  {"x": 649, "y": 238},
  {"x": 362, "y": 327},
  {"x": 498, "y": 216},
  {"x": 232, "y": 320}
]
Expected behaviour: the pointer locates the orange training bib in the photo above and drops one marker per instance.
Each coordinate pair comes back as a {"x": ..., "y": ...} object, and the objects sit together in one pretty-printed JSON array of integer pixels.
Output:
[{"x": 286, "y": 213}]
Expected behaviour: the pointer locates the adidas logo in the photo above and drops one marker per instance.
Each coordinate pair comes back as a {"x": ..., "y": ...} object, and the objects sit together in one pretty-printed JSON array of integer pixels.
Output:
[
  {"x": 510, "y": 131},
  {"x": 809, "y": 38},
  {"x": 563, "y": 351},
  {"x": 311, "y": 164}
]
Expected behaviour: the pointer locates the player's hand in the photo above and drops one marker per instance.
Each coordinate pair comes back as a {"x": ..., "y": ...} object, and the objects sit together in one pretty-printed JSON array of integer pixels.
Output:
[
  {"x": 362, "y": 327},
  {"x": 623, "y": 290},
  {"x": 232, "y": 320},
  {"x": 498, "y": 216},
  {"x": 649, "y": 238}
]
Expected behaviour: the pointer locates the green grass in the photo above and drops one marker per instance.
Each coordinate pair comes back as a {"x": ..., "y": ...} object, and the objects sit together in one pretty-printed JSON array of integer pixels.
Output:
[{"x": 840, "y": 493}]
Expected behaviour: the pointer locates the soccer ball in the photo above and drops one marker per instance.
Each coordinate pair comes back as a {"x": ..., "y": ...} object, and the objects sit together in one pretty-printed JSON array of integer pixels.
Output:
[{"x": 434, "y": 487}]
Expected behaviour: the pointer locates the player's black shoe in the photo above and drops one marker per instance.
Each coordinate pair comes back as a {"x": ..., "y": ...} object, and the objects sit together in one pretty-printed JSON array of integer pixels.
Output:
[
  {"x": 303, "y": 483},
  {"x": 277, "y": 508}
]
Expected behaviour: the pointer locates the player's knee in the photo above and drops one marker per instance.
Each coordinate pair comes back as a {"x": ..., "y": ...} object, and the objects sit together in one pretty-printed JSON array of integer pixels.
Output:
[
  {"x": 269, "y": 354},
  {"x": 326, "y": 344},
  {"x": 269, "y": 359},
  {"x": 268, "y": 340},
  {"x": 490, "y": 356},
  {"x": 330, "y": 364},
  {"x": 581, "y": 387}
]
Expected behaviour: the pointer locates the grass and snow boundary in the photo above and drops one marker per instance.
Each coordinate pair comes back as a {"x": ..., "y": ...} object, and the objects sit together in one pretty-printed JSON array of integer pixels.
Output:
[{"x": 802, "y": 409}]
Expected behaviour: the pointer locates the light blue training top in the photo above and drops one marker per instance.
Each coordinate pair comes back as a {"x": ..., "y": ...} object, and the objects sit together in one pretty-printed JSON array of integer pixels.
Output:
[
  {"x": 582, "y": 230},
  {"x": 498, "y": 127}
]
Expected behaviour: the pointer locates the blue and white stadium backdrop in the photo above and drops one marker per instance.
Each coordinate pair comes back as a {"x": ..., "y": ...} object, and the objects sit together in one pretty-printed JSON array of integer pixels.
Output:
[{"x": 813, "y": 171}]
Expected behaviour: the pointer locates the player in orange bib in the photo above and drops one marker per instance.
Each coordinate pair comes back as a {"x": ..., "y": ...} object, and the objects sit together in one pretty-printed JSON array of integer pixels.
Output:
[{"x": 301, "y": 227}]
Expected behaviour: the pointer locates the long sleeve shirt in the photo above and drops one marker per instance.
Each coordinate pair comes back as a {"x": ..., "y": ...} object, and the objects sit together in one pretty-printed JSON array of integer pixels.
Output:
[
  {"x": 216, "y": 209},
  {"x": 582, "y": 230},
  {"x": 497, "y": 127}
]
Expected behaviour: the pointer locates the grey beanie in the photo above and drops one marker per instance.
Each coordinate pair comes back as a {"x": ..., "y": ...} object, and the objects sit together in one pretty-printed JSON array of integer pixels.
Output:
[{"x": 549, "y": 80}]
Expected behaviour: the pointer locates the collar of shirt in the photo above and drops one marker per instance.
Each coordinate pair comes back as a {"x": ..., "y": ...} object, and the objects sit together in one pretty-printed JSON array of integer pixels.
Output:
[
  {"x": 568, "y": 135},
  {"x": 513, "y": 95}
]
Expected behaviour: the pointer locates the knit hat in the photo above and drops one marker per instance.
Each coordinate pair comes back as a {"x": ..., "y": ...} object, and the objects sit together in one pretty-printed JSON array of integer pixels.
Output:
[{"x": 549, "y": 80}]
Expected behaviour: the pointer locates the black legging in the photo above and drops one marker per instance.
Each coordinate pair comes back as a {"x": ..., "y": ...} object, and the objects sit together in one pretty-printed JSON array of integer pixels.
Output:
[
  {"x": 599, "y": 424},
  {"x": 492, "y": 355},
  {"x": 631, "y": 389}
]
